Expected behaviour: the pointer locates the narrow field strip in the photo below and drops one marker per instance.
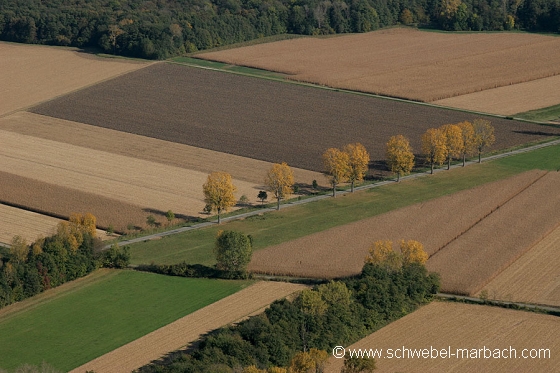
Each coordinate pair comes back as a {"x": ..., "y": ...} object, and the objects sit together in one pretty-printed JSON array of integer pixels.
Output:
[
  {"x": 475, "y": 258},
  {"x": 186, "y": 330},
  {"x": 145, "y": 148},
  {"x": 533, "y": 278},
  {"x": 434, "y": 223},
  {"x": 443, "y": 325},
  {"x": 32, "y": 73},
  {"x": 126, "y": 179}
]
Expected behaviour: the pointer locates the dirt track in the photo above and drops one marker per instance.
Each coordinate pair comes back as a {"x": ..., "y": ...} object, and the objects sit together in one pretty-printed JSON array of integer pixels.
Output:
[
  {"x": 187, "y": 329},
  {"x": 464, "y": 326},
  {"x": 32, "y": 73},
  {"x": 259, "y": 119}
]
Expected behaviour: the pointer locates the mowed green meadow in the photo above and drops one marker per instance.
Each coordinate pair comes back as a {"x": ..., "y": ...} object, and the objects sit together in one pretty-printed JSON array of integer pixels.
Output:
[
  {"x": 98, "y": 314},
  {"x": 298, "y": 221}
]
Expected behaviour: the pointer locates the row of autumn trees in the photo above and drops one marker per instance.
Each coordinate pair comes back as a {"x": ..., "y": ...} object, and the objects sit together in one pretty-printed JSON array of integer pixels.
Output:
[
  {"x": 298, "y": 335},
  {"x": 28, "y": 269},
  {"x": 164, "y": 28}
]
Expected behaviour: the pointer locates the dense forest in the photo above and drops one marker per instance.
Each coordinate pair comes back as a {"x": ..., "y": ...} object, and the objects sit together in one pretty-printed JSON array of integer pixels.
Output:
[
  {"x": 164, "y": 28},
  {"x": 332, "y": 314}
]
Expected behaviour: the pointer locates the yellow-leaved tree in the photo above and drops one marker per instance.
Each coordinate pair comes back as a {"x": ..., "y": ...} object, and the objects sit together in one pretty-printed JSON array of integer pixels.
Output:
[
  {"x": 400, "y": 156},
  {"x": 382, "y": 253},
  {"x": 453, "y": 141},
  {"x": 413, "y": 252},
  {"x": 219, "y": 192},
  {"x": 279, "y": 181},
  {"x": 313, "y": 360},
  {"x": 337, "y": 166},
  {"x": 469, "y": 146},
  {"x": 483, "y": 135},
  {"x": 358, "y": 160},
  {"x": 434, "y": 147},
  {"x": 71, "y": 233},
  {"x": 19, "y": 249}
]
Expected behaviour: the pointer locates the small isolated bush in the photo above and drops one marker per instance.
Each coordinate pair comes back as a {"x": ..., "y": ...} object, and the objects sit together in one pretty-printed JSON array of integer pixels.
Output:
[
  {"x": 110, "y": 230},
  {"x": 170, "y": 216},
  {"x": 115, "y": 257},
  {"x": 151, "y": 221},
  {"x": 244, "y": 200},
  {"x": 315, "y": 185}
]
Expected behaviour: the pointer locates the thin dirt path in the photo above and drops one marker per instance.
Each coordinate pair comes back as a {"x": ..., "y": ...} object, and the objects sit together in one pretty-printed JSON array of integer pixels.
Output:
[{"x": 180, "y": 333}]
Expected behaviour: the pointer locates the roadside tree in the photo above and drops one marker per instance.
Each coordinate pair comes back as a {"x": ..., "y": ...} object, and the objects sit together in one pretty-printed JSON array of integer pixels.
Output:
[
  {"x": 218, "y": 192},
  {"x": 279, "y": 181},
  {"x": 483, "y": 135},
  {"x": 337, "y": 167},
  {"x": 358, "y": 160},
  {"x": 263, "y": 196},
  {"x": 469, "y": 146},
  {"x": 400, "y": 156},
  {"x": 453, "y": 141},
  {"x": 433, "y": 147},
  {"x": 233, "y": 251}
]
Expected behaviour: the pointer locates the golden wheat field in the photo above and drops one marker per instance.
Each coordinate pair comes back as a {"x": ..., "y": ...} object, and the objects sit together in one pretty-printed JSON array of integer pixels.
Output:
[
  {"x": 435, "y": 223},
  {"x": 180, "y": 333},
  {"x": 32, "y": 74},
  {"x": 533, "y": 278},
  {"x": 408, "y": 63},
  {"x": 453, "y": 326}
]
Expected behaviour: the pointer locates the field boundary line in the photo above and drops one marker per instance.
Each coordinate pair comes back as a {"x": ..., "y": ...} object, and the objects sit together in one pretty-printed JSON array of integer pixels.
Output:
[
  {"x": 324, "y": 196},
  {"x": 500, "y": 303}
]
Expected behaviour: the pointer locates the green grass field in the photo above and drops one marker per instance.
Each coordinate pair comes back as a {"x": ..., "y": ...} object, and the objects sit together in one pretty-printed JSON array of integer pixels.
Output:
[
  {"x": 541, "y": 115},
  {"x": 100, "y": 314},
  {"x": 298, "y": 221}
]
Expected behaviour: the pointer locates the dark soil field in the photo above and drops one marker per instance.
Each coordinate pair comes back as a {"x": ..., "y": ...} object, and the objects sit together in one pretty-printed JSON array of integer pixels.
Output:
[{"x": 259, "y": 119}]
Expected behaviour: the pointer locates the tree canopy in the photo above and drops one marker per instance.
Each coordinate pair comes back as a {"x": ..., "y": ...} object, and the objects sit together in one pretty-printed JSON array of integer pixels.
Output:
[
  {"x": 219, "y": 192},
  {"x": 279, "y": 181},
  {"x": 337, "y": 167},
  {"x": 399, "y": 155},
  {"x": 358, "y": 162}
]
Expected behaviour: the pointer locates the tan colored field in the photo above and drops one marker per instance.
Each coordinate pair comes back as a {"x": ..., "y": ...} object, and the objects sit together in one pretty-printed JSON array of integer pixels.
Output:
[
  {"x": 189, "y": 328},
  {"x": 418, "y": 65},
  {"x": 434, "y": 223},
  {"x": 29, "y": 225},
  {"x": 480, "y": 254},
  {"x": 32, "y": 74},
  {"x": 533, "y": 278},
  {"x": 146, "y": 148},
  {"x": 462, "y": 326},
  {"x": 511, "y": 99}
]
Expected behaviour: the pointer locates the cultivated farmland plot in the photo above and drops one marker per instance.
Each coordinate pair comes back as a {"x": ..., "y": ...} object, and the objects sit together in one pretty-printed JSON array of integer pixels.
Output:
[
  {"x": 463, "y": 326},
  {"x": 417, "y": 65},
  {"x": 32, "y": 74},
  {"x": 260, "y": 119}
]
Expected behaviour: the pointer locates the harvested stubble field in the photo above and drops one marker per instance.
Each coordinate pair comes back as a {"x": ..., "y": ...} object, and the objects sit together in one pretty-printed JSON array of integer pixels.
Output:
[
  {"x": 465, "y": 326},
  {"x": 32, "y": 74},
  {"x": 27, "y": 224},
  {"x": 533, "y": 278},
  {"x": 435, "y": 223},
  {"x": 138, "y": 182},
  {"x": 256, "y": 118},
  {"x": 407, "y": 63},
  {"x": 186, "y": 330},
  {"x": 480, "y": 254}
]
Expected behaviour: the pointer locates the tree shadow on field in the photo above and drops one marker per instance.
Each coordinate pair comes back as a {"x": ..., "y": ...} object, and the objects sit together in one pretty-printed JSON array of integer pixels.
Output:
[
  {"x": 160, "y": 213},
  {"x": 536, "y": 133}
]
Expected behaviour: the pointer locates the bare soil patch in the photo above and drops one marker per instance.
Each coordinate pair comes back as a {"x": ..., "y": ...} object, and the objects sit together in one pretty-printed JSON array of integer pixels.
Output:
[
  {"x": 408, "y": 63},
  {"x": 511, "y": 99},
  {"x": 32, "y": 73},
  {"x": 180, "y": 333},
  {"x": 145, "y": 148},
  {"x": 260, "y": 119},
  {"x": 434, "y": 223},
  {"x": 134, "y": 181},
  {"x": 480, "y": 254},
  {"x": 533, "y": 278},
  {"x": 465, "y": 326}
]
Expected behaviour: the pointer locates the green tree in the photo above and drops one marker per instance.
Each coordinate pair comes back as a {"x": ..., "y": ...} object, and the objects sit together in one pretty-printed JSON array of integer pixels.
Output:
[
  {"x": 263, "y": 196},
  {"x": 219, "y": 192},
  {"x": 170, "y": 216},
  {"x": 233, "y": 251}
]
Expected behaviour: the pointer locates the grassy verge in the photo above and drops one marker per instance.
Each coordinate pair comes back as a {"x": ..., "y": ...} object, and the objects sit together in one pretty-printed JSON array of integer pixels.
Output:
[
  {"x": 541, "y": 115},
  {"x": 298, "y": 221},
  {"x": 84, "y": 322}
]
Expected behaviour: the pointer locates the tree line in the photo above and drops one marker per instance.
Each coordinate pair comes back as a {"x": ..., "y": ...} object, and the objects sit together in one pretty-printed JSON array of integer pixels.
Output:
[
  {"x": 164, "y": 28},
  {"x": 298, "y": 335},
  {"x": 72, "y": 252}
]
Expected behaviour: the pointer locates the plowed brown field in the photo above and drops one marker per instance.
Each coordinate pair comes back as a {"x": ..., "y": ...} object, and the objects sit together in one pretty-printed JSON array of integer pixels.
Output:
[
  {"x": 32, "y": 74},
  {"x": 257, "y": 118},
  {"x": 533, "y": 278},
  {"x": 407, "y": 63},
  {"x": 186, "y": 330},
  {"x": 455, "y": 326},
  {"x": 434, "y": 223}
]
